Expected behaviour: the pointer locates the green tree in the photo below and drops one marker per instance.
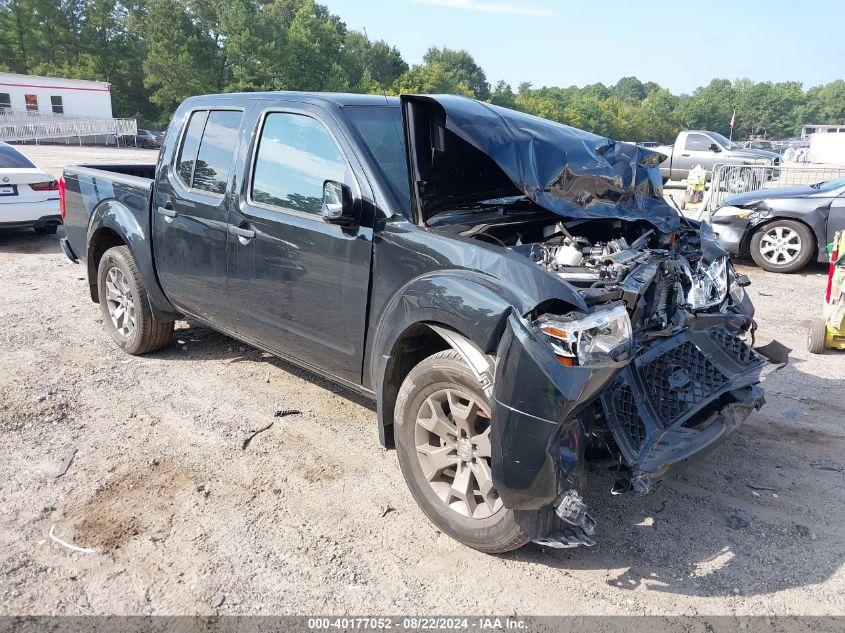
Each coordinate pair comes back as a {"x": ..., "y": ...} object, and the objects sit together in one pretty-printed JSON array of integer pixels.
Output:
[
  {"x": 183, "y": 57},
  {"x": 629, "y": 89},
  {"x": 461, "y": 65},
  {"x": 430, "y": 78}
]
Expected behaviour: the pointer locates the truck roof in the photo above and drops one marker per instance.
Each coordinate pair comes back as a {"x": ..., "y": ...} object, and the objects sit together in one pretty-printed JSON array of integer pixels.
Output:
[{"x": 335, "y": 98}]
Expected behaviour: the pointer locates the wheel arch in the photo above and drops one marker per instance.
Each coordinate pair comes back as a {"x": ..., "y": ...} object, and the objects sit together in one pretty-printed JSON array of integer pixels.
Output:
[
  {"x": 745, "y": 245},
  {"x": 448, "y": 309},
  {"x": 114, "y": 224}
]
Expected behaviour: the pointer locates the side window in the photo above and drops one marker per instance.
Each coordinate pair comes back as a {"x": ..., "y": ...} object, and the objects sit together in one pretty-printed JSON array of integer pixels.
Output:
[
  {"x": 190, "y": 145},
  {"x": 211, "y": 172},
  {"x": 295, "y": 156},
  {"x": 5, "y": 101},
  {"x": 31, "y": 102},
  {"x": 57, "y": 105},
  {"x": 698, "y": 142}
]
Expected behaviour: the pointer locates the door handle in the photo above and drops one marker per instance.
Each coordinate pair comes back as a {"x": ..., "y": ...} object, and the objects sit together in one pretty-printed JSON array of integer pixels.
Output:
[
  {"x": 684, "y": 154},
  {"x": 246, "y": 234},
  {"x": 168, "y": 213}
]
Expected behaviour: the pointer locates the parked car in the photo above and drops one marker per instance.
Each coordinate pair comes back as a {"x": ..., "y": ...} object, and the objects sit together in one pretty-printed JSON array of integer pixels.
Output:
[
  {"x": 29, "y": 197},
  {"x": 699, "y": 147},
  {"x": 767, "y": 146},
  {"x": 507, "y": 305},
  {"x": 782, "y": 229},
  {"x": 148, "y": 139}
]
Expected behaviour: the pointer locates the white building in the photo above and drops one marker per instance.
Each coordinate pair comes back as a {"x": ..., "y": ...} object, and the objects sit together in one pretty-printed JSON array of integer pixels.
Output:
[
  {"x": 810, "y": 129},
  {"x": 74, "y": 97}
]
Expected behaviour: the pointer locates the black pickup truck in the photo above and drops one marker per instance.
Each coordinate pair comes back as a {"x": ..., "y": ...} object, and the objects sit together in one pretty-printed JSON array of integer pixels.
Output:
[{"x": 514, "y": 294}]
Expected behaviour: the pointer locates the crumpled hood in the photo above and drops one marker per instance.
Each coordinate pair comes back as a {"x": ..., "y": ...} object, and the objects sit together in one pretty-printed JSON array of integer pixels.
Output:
[{"x": 462, "y": 151}]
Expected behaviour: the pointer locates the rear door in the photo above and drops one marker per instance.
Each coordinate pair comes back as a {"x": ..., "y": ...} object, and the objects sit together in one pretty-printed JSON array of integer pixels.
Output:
[
  {"x": 696, "y": 151},
  {"x": 299, "y": 285},
  {"x": 190, "y": 213}
]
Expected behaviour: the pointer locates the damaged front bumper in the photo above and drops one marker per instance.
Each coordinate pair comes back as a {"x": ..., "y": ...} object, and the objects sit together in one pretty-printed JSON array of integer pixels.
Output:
[{"x": 675, "y": 401}]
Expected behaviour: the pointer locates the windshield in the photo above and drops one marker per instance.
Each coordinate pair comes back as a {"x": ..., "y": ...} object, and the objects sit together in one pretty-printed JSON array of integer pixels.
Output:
[
  {"x": 721, "y": 140},
  {"x": 830, "y": 185},
  {"x": 380, "y": 128},
  {"x": 12, "y": 158}
]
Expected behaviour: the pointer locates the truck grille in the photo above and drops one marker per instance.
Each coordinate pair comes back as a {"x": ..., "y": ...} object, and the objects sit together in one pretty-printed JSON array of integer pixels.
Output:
[
  {"x": 734, "y": 346},
  {"x": 679, "y": 380},
  {"x": 628, "y": 418}
]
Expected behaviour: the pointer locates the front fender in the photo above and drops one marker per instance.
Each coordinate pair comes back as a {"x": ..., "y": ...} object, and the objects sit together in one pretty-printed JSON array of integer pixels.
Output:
[
  {"x": 114, "y": 216},
  {"x": 470, "y": 303},
  {"x": 539, "y": 435},
  {"x": 816, "y": 219}
]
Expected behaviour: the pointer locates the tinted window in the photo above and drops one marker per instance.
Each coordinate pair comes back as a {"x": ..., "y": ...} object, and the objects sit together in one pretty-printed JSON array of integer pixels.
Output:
[
  {"x": 190, "y": 144},
  {"x": 295, "y": 156},
  {"x": 380, "y": 128},
  {"x": 57, "y": 105},
  {"x": 10, "y": 157},
  {"x": 216, "y": 149},
  {"x": 698, "y": 142},
  {"x": 5, "y": 100}
]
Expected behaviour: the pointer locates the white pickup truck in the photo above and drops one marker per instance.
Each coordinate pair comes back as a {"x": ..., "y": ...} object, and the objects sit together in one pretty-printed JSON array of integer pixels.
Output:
[{"x": 697, "y": 147}]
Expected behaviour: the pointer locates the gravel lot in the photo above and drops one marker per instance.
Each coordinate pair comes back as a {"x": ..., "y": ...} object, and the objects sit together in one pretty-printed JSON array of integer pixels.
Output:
[{"x": 314, "y": 517}]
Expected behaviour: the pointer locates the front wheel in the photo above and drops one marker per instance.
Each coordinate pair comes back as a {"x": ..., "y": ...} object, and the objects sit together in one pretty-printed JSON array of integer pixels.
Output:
[
  {"x": 125, "y": 307},
  {"x": 782, "y": 246},
  {"x": 442, "y": 431}
]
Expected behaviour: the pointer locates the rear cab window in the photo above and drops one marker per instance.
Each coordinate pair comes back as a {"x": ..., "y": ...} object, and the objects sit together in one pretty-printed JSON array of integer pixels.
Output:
[
  {"x": 10, "y": 158},
  {"x": 698, "y": 142},
  {"x": 206, "y": 151}
]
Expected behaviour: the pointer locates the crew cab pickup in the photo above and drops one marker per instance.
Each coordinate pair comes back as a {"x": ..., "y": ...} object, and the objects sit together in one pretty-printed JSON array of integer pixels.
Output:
[
  {"x": 698, "y": 147},
  {"x": 510, "y": 291}
]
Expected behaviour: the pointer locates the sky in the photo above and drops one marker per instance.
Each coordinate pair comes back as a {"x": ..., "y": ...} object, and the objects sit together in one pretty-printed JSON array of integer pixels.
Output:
[{"x": 680, "y": 45}]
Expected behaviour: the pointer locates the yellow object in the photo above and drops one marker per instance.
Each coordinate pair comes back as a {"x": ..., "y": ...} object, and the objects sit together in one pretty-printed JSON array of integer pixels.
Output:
[{"x": 834, "y": 309}]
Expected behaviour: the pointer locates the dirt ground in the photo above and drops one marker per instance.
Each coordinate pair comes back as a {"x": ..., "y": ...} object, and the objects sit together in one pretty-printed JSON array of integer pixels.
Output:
[{"x": 314, "y": 517}]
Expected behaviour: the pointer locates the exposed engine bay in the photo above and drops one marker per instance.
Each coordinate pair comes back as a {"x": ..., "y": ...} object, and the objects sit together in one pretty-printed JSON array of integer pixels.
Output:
[{"x": 613, "y": 259}]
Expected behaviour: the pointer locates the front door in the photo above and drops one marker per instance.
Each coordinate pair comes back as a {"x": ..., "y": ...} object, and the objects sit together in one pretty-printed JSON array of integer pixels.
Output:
[
  {"x": 190, "y": 213},
  {"x": 299, "y": 285}
]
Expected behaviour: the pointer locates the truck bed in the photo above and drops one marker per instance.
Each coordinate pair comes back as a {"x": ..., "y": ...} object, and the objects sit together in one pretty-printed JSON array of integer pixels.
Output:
[
  {"x": 138, "y": 171},
  {"x": 119, "y": 195}
]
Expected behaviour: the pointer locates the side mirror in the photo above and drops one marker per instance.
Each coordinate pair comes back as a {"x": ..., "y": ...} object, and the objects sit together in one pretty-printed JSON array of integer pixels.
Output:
[
  {"x": 715, "y": 148},
  {"x": 337, "y": 207}
]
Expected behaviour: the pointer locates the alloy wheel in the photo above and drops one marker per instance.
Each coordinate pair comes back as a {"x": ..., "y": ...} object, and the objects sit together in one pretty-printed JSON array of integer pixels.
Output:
[
  {"x": 780, "y": 245},
  {"x": 452, "y": 437},
  {"x": 120, "y": 302}
]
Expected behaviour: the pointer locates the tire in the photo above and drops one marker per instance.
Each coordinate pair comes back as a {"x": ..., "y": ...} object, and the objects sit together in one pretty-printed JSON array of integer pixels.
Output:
[
  {"x": 493, "y": 528},
  {"x": 47, "y": 229},
  {"x": 787, "y": 260},
  {"x": 134, "y": 330},
  {"x": 816, "y": 336}
]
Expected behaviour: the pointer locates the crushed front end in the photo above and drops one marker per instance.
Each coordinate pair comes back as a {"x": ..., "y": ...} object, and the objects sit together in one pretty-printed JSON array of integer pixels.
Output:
[{"x": 660, "y": 370}]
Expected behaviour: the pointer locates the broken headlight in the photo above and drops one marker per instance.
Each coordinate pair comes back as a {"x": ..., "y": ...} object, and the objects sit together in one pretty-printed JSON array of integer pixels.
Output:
[
  {"x": 593, "y": 339},
  {"x": 709, "y": 284}
]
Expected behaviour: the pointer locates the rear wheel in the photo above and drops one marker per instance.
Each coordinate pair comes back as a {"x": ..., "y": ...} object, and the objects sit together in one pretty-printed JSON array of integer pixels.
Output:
[
  {"x": 782, "y": 246},
  {"x": 816, "y": 336},
  {"x": 124, "y": 304},
  {"x": 442, "y": 431}
]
